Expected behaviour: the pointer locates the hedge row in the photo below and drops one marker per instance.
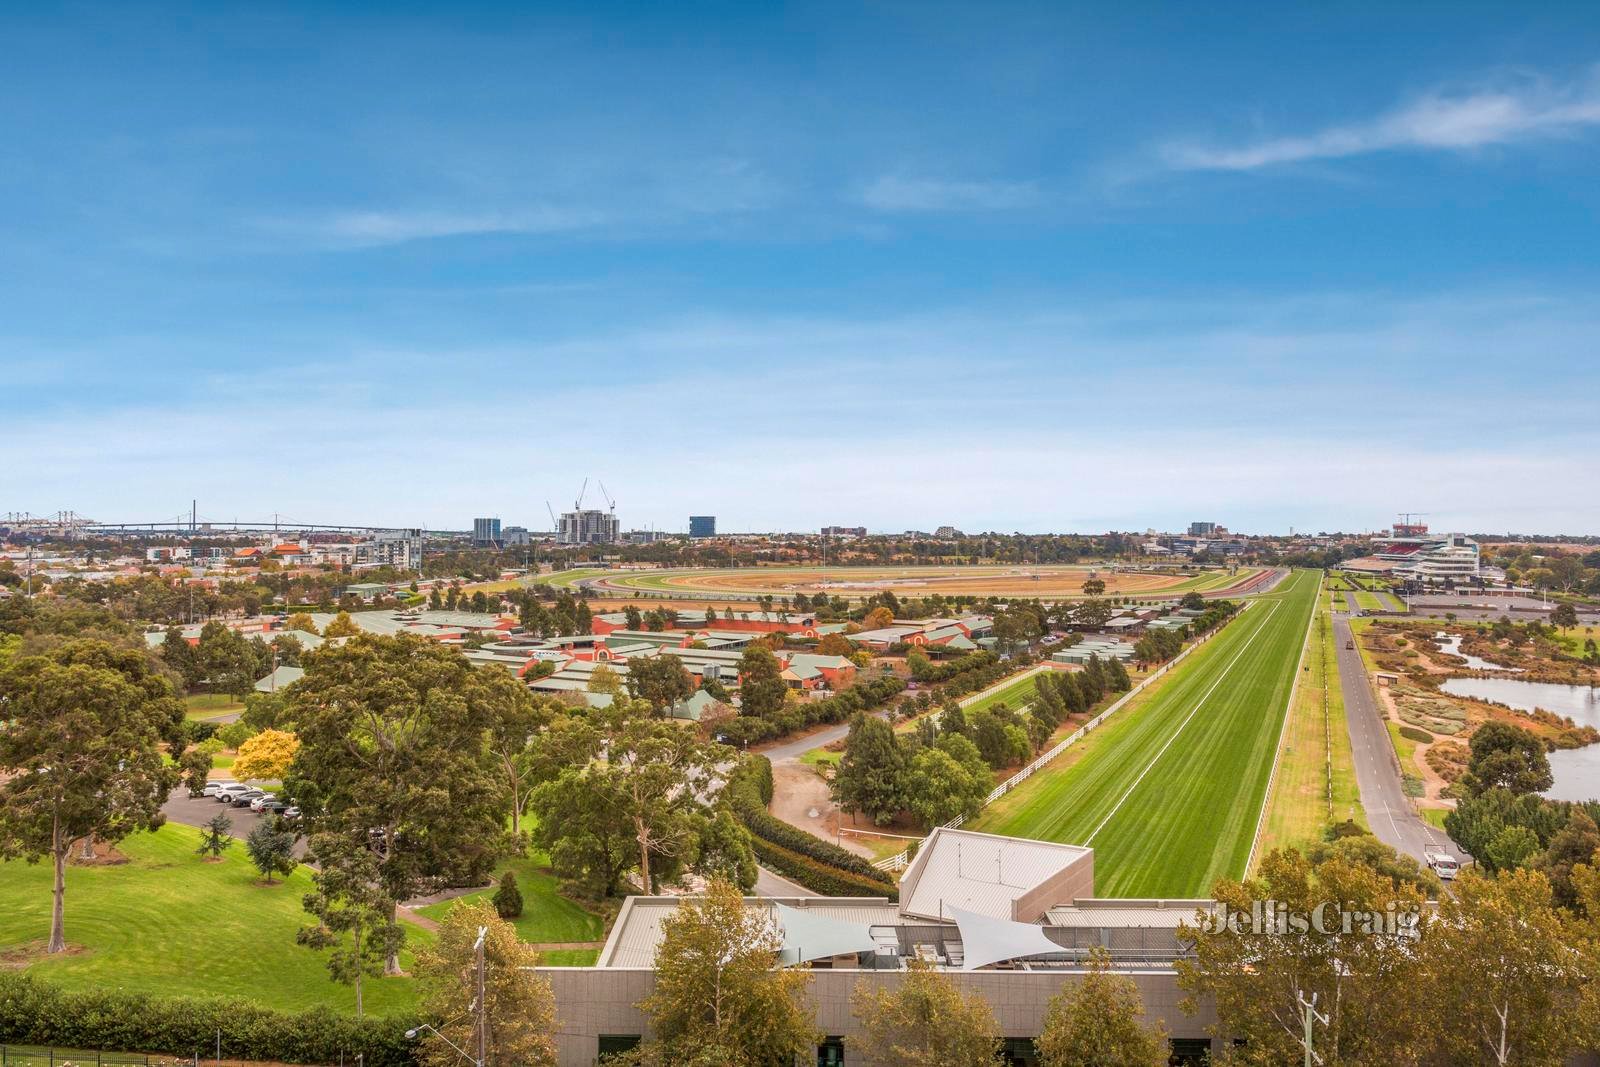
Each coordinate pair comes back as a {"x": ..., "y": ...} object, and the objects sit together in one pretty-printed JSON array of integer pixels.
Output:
[
  {"x": 818, "y": 877},
  {"x": 743, "y": 792},
  {"x": 33, "y": 1012}
]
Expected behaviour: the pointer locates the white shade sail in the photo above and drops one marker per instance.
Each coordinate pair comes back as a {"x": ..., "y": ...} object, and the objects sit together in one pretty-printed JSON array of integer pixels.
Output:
[
  {"x": 808, "y": 936},
  {"x": 986, "y": 940}
]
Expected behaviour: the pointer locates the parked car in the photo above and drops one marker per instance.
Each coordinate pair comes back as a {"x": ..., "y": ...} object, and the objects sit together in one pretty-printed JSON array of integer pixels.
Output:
[
  {"x": 269, "y": 806},
  {"x": 240, "y": 800},
  {"x": 213, "y": 788},
  {"x": 292, "y": 813},
  {"x": 262, "y": 801},
  {"x": 231, "y": 790}
]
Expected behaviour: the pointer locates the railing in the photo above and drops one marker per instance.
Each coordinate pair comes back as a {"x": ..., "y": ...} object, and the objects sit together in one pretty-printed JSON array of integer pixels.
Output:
[
  {"x": 900, "y": 859},
  {"x": 44, "y": 1056}
]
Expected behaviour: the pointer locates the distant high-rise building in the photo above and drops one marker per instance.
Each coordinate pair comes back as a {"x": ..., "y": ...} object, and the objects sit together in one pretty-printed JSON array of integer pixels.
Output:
[
  {"x": 485, "y": 532},
  {"x": 589, "y": 526},
  {"x": 844, "y": 531},
  {"x": 515, "y": 535},
  {"x": 392, "y": 548},
  {"x": 948, "y": 533},
  {"x": 702, "y": 526},
  {"x": 1202, "y": 529}
]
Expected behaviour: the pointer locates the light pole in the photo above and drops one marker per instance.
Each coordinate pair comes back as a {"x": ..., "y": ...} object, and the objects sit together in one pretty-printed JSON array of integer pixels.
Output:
[
  {"x": 480, "y": 1004},
  {"x": 426, "y": 1026}
]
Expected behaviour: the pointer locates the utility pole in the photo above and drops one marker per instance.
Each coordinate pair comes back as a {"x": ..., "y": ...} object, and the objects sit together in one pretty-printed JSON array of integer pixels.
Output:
[
  {"x": 483, "y": 1004},
  {"x": 1312, "y": 1017}
]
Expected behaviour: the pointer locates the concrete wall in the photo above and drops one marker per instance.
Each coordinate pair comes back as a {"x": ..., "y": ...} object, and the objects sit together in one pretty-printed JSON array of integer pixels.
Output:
[
  {"x": 1073, "y": 882},
  {"x": 595, "y": 1001}
]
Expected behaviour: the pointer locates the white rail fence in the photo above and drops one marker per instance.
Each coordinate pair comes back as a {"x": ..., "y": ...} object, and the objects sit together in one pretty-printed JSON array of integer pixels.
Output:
[{"x": 900, "y": 859}]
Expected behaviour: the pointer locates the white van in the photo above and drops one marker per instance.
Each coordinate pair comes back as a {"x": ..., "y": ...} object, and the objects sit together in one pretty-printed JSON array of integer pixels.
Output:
[{"x": 1443, "y": 864}]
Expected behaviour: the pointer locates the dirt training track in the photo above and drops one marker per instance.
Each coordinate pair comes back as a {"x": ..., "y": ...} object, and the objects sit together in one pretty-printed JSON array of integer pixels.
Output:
[{"x": 1048, "y": 582}]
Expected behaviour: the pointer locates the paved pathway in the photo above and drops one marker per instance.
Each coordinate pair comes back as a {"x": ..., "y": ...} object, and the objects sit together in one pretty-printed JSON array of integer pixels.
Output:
[
  {"x": 769, "y": 884},
  {"x": 1389, "y": 810}
]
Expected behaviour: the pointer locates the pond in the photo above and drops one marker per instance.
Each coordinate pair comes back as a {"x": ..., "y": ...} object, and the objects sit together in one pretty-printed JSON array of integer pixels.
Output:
[
  {"x": 1451, "y": 643},
  {"x": 1577, "y": 770}
]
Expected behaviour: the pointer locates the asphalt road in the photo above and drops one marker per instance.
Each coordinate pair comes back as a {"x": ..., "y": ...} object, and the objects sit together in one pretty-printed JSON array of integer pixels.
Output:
[{"x": 1377, "y": 767}]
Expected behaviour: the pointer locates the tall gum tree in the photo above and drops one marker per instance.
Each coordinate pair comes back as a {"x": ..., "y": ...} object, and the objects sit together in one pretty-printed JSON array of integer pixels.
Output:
[
  {"x": 393, "y": 745},
  {"x": 80, "y": 756}
]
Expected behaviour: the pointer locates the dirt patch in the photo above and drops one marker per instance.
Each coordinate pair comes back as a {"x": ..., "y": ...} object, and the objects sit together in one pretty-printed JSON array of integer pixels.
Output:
[
  {"x": 30, "y": 952},
  {"x": 104, "y": 856},
  {"x": 798, "y": 789}
]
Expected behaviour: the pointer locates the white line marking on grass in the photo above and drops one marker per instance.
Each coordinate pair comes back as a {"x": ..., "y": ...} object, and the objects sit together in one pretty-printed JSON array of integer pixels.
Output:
[
  {"x": 1198, "y": 705},
  {"x": 1283, "y": 731}
]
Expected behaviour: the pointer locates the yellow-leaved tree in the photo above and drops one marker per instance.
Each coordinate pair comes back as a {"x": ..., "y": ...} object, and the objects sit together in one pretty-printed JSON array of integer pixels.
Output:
[
  {"x": 266, "y": 755},
  {"x": 341, "y": 626}
]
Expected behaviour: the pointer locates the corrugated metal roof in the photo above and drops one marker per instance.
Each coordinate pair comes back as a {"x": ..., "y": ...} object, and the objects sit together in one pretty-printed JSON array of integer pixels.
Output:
[
  {"x": 637, "y": 933},
  {"x": 983, "y": 873},
  {"x": 1126, "y": 914}
]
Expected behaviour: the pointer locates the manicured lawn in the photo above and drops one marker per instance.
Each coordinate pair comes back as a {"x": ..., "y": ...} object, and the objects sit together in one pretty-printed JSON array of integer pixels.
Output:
[
  {"x": 569, "y": 957},
  {"x": 819, "y": 757},
  {"x": 1299, "y": 806},
  {"x": 169, "y": 922},
  {"x": 210, "y": 705},
  {"x": 1169, "y": 793},
  {"x": 1016, "y": 696},
  {"x": 547, "y": 916},
  {"x": 1369, "y": 602}
]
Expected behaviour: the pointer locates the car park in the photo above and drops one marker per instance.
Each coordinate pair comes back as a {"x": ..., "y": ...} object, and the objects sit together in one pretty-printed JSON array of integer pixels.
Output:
[
  {"x": 213, "y": 788},
  {"x": 231, "y": 790},
  {"x": 262, "y": 801},
  {"x": 240, "y": 800}
]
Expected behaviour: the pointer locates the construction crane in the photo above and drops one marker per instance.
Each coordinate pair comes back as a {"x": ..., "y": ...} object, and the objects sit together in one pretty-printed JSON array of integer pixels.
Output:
[
  {"x": 611, "y": 503},
  {"x": 577, "y": 505},
  {"x": 555, "y": 526}
]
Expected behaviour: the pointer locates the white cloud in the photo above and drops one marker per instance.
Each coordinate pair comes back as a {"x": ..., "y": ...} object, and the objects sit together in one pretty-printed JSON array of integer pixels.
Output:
[
  {"x": 365, "y": 228},
  {"x": 899, "y": 193},
  {"x": 1439, "y": 120}
]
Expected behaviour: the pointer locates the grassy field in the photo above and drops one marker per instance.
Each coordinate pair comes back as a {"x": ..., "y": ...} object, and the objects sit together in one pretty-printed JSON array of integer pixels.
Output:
[
  {"x": 169, "y": 922},
  {"x": 1369, "y": 601},
  {"x": 210, "y": 705},
  {"x": 1299, "y": 807},
  {"x": 546, "y": 917},
  {"x": 1169, "y": 793},
  {"x": 1016, "y": 696}
]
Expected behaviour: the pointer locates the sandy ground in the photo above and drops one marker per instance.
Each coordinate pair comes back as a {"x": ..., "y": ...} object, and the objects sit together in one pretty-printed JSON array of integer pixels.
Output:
[{"x": 796, "y": 789}]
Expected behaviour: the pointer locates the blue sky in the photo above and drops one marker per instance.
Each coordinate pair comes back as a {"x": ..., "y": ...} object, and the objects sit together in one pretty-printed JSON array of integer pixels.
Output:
[{"x": 1013, "y": 267}]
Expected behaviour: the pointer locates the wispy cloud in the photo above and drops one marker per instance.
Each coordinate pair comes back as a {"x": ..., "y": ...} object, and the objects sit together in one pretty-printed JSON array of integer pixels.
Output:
[
  {"x": 900, "y": 193},
  {"x": 366, "y": 228},
  {"x": 1218, "y": 441},
  {"x": 1440, "y": 120}
]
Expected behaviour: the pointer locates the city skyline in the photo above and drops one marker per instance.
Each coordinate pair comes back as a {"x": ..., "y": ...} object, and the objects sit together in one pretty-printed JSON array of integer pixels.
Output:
[{"x": 1042, "y": 272}]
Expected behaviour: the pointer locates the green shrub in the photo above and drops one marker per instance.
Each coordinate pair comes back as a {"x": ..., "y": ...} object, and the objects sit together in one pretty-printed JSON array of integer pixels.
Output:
[
  {"x": 34, "y": 1012},
  {"x": 1415, "y": 734},
  {"x": 507, "y": 899},
  {"x": 235, "y": 734},
  {"x": 818, "y": 877}
]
